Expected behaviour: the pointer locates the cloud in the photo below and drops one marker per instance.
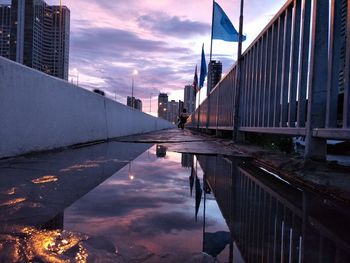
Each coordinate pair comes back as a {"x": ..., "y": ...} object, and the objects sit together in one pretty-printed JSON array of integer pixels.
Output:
[
  {"x": 117, "y": 43},
  {"x": 173, "y": 25}
]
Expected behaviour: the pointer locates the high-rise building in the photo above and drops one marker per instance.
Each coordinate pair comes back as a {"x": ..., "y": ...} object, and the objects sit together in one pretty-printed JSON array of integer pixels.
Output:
[
  {"x": 214, "y": 74},
  {"x": 5, "y": 30},
  {"x": 189, "y": 98},
  {"x": 134, "y": 103},
  {"x": 163, "y": 106},
  {"x": 173, "y": 111},
  {"x": 40, "y": 36}
]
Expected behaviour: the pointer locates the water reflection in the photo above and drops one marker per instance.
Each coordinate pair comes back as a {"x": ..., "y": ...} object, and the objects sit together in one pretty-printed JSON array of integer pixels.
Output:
[
  {"x": 152, "y": 217},
  {"x": 272, "y": 221},
  {"x": 161, "y": 151},
  {"x": 146, "y": 211}
]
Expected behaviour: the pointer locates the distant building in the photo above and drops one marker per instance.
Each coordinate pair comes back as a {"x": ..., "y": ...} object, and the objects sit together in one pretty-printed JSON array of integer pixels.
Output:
[
  {"x": 134, "y": 103},
  {"x": 173, "y": 111},
  {"x": 5, "y": 30},
  {"x": 138, "y": 104},
  {"x": 189, "y": 98},
  {"x": 181, "y": 106},
  {"x": 163, "y": 106},
  {"x": 39, "y": 36},
  {"x": 214, "y": 74}
]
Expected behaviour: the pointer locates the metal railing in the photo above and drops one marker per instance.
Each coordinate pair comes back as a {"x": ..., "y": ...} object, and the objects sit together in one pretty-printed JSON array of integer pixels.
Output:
[{"x": 294, "y": 79}]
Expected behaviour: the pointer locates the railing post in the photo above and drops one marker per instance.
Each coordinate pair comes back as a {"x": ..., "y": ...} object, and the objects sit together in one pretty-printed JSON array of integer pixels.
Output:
[
  {"x": 236, "y": 117},
  {"x": 316, "y": 148},
  {"x": 346, "y": 110}
]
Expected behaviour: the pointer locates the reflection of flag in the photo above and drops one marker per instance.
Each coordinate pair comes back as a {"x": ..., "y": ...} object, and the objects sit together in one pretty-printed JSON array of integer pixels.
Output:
[
  {"x": 191, "y": 179},
  {"x": 222, "y": 26},
  {"x": 215, "y": 243},
  {"x": 203, "y": 69},
  {"x": 195, "y": 80},
  {"x": 198, "y": 195}
]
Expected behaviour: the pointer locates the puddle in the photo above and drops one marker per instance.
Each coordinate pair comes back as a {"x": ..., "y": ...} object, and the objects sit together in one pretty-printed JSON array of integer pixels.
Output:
[{"x": 95, "y": 205}]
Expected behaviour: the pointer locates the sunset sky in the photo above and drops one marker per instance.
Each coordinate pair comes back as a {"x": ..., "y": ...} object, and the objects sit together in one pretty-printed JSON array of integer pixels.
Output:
[{"x": 162, "y": 39}]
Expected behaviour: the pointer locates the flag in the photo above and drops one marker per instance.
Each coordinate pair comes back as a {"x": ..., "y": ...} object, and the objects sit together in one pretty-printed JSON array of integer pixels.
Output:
[
  {"x": 195, "y": 81},
  {"x": 222, "y": 26},
  {"x": 203, "y": 69}
]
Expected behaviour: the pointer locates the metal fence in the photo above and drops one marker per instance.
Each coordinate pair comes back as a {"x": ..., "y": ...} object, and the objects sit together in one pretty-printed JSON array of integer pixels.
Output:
[{"x": 294, "y": 78}]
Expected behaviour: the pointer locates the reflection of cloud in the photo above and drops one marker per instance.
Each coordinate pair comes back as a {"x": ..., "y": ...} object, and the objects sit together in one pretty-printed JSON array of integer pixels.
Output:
[
  {"x": 113, "y": 202},
  {"x": 155, "y": 223}
]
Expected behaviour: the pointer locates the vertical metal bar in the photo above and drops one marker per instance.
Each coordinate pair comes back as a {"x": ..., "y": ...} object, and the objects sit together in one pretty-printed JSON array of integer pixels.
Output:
[
  {"x": 317, "y": 95},
  {"x": 256, "y": 57},
  {"x": 251, "y": 87},
  {"x": 258, "y": 76},
  {"x": 293, "y": 80},
  {"x": 268, "y": 78},
  {"x": 304, "y": 61},
  {"x": 272, "y": 93},
  {"x": 346, "y": 111},
  {"x": 334, "y": 65},
  {"x": 266, "y": 72},
  {"x": 252, "y": 122},
  {"x": 277, "y": 99},
  {"x": 249, "y": 83},
  {"x": 246, "y": 83},
  {"x": 241, "y": 91},
  {"x": 286, "y": 66},
  {"x": 262, "y": 81},
  {"x": 261, "y": 48}
]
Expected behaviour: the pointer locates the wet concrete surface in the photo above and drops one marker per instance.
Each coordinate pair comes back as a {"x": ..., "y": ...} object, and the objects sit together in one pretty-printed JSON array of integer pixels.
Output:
[{"x": 170, "y": 196}]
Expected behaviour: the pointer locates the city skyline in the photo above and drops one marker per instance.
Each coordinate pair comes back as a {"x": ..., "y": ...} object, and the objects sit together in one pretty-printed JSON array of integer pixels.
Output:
[{"x": 109, "y": 39}]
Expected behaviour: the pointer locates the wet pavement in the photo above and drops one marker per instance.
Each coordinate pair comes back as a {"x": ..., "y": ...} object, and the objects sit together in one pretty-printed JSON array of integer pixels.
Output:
[{"x": 164, "y": 197}]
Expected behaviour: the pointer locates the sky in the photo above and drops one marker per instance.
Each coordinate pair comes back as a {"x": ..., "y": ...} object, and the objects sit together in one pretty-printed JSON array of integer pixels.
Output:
[{"x": 161, "y": 39}]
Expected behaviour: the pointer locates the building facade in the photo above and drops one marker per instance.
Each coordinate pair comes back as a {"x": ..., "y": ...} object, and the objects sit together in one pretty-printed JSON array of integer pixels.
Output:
[
  {"x": 189, "y": 98},
  {"x": 134, "y": 103},
  {"x": 163, "y": 106},
  {"x": 39, "y": 36},
  {"x": 5, "y": 30},
  {"x": 138, "y": 104},
  {"x": 173, "y": 111},
  {"x": 214, "y": 74}
]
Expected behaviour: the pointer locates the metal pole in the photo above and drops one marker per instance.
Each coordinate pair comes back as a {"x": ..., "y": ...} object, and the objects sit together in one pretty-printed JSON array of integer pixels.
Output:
[
  {"x": 212, "y": 28},
  {"x": 238, "y": 86},
  {"x": 199, "y": 107},
  {"x": 132, "y": 91}
]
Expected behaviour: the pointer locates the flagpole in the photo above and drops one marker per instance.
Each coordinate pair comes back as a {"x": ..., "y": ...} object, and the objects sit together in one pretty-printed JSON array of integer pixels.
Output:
[
  {"x": 199, "y": 107},
  {"x": 239, "y": 72},
  {"x": 212, "y": 28},
  {"x": 240, "y": 32}
]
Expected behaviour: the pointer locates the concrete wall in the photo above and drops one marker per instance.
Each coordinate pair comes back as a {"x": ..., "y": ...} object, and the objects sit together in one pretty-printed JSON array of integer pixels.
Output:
[{"x": 40, "y": 112}]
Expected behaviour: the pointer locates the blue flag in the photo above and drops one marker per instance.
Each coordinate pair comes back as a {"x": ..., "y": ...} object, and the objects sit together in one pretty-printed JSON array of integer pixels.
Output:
[
  {"x": 203, "y": 70},
  {"x": 222, "y": 26}
]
